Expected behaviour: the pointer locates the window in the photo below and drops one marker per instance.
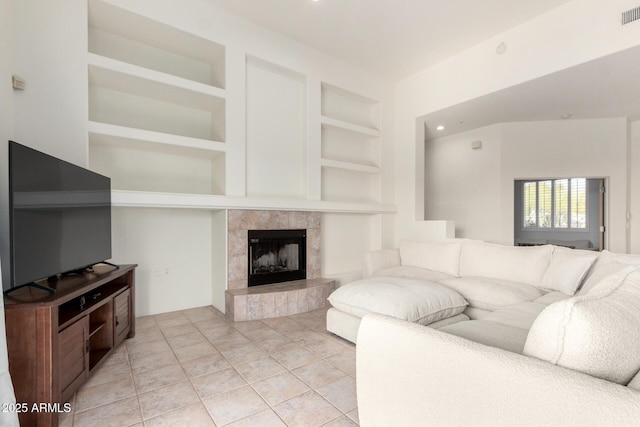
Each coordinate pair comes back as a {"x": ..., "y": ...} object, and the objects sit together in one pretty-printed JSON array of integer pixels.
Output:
[{"x": 555, "y": 203}]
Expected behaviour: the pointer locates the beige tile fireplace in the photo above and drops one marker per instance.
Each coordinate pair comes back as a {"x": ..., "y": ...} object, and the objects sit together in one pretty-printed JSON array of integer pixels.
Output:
[{"x": 275, "y": 300}]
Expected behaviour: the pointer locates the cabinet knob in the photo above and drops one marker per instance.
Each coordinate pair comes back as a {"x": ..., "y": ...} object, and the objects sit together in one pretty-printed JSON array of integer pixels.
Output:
[{"x": 117, "y": 321}]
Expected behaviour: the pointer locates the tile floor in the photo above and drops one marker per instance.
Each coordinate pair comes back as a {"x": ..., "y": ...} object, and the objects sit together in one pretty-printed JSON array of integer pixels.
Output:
[{"x": 196, "y": 368}]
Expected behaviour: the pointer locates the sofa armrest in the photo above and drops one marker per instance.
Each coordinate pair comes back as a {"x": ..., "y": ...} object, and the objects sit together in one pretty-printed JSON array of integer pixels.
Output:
[
  {"x": 378, "y": 260},
  {"x": 411, "y": 375}
]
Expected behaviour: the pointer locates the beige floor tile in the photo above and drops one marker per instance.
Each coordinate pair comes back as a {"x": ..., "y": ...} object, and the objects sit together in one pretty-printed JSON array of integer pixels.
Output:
[
  {"x": 165, "y": 399},
  {"x": 354, "y": 416},
  {"x": 343, "y": 421},
  {"x": 109, "y": 372},
  {"x": 340, "y": 393},
  {"x": 235, "y": 405},
  {"x": 144, "y": 323},
  {"x": 175, "y": 331},
  {"x": 193, "y": 416},
  {"x": 117, "y": 414},
  {"x": 325, "y": 347},
  {"x": 201, "y": 314},
  {"x": 282, "y": 358},
  {"x": 304, "y": 336},
  {"x": 306, "y": 410},
  {"x": 150, "y": 380},
  {"x": 230, "y": 341},
  {"x": 204, "y": 365},
  {"x": 296, "y": 357},
  {"x": 137, "y": 349},
  {"x": 345, "y": 361},
  {"x": 181, "y": 341},
  {"x": 243, "y": 353},
  {"x": 260, "y": 369},
  {"x": 118, "y": 356},
  {"x": 195, "y": 351},
  {"x": 266, "y": 418},
  {"x": 102, "y": 394},
  {"x": 218, "y": 382},
  {"x": 279, "y": 388},
  {"x": 319, "y": 373},
  {"x": 276, "y": 345},
  {"x": 146, "y": 336},
  {"x": 169, "y": 320},
  {"x": 152, "y": 362}
]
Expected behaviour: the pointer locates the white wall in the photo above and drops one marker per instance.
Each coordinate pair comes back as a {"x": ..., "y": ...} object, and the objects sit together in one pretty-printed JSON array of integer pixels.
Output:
[
  {"x": 49, "y": 48},
  {"x": 464, "y": 185},
  {"x": 571, "y": 34},
  {"x": 6, "y": 132},
  {"x": 634, "y": 187},
  {"x": 475, "y": 188}
]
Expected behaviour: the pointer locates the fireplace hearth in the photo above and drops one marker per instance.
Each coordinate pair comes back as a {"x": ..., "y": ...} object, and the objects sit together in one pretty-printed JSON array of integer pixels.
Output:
[{"x": 276, "y": 256}]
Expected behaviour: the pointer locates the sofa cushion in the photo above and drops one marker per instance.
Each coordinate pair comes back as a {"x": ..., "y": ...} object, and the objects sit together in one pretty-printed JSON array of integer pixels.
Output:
[
  {"x": 492, "y": 294},
  {"x": 635, "y": 382},
  {"x": 506, "y": 337},
  {"x": 413, "y": 273},
  {"x": 437, "y": 256},
  {"x": 521, "y": 315},
  {"x": 408, "y": 299},
  {"x": 379, "y": 260},
  {"x": 526, "y": 264},
  {"x": 607, "y": 264},
  {"x": 551, "y": 297},
  {"x": 597, "y": 333},
  {"x": 567, "y": 269}
]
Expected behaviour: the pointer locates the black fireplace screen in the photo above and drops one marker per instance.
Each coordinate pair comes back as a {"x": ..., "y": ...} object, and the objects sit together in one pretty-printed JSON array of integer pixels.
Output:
[{"x": 277, "y": 256}]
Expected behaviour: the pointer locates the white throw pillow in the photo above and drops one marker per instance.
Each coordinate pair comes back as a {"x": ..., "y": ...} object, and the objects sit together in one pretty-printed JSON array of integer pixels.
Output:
[
  {"x": 438, "y": 256},
  {"x": 526, "y": 264},
  {"x": 596, "y": 334},
  {"x": 607, "y": 264},
  {"x": 408, "y": 299},
  {"x": 567, "y": 269}
]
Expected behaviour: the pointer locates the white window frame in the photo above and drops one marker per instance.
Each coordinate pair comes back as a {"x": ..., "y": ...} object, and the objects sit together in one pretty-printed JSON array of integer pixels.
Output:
[{"x": 568, "y": 228}]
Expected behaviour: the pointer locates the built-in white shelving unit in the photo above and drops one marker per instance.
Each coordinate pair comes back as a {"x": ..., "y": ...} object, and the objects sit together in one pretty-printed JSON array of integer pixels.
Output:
[
  {"x": 350, "y": 146},
  {"x": 156, "y": 105}
]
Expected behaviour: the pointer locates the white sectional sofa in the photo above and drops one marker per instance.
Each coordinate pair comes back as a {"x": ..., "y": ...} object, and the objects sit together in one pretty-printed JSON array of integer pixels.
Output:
[{"x": 522, "y": 349}]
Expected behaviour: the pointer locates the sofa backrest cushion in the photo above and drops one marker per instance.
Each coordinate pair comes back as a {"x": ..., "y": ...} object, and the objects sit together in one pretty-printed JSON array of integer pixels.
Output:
[
  {"x": 380, "y": 260},
  {"x": 525, "y": 264},
  {"x": 597, "y": 333},
  {"x": 635, "y": 382},
  {"x": 567, "y": 269},
  {"x": 607, "y": 264},
  {"x": 439, "y": 256}
]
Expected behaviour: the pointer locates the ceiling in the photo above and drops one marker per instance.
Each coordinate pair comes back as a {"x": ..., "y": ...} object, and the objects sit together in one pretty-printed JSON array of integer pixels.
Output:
[
  {"x": 603, "y": 88},
  {"x": 391, "y": 38}
]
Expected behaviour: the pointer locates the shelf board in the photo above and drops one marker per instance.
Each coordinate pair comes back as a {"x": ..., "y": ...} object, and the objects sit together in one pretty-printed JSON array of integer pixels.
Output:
[
  {"x": 363, "y": 130},
  {"x": 123, "y": 136},
  {"x": 355, "y": 167},
  {"x": 141, "y": 199},
  {"x": 117, "y": 66},
  {"x": 155, "y": 85}
]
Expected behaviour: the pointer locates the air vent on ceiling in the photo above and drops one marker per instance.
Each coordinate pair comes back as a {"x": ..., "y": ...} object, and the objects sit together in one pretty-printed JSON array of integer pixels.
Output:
[{"x": 631, "y": 15}]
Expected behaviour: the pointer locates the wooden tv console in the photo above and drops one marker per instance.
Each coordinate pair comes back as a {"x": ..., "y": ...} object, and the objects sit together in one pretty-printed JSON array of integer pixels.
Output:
[{"x": 56, "y": 341}]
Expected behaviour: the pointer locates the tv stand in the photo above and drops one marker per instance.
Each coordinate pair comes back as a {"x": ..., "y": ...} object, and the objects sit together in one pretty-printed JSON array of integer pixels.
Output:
[
  {"x": 31, "y": 285},
  {"x": 56, "y": 341}
]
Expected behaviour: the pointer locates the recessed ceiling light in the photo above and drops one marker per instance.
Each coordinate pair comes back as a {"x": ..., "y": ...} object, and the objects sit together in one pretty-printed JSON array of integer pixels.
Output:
[{"x": 440, "y": 127}]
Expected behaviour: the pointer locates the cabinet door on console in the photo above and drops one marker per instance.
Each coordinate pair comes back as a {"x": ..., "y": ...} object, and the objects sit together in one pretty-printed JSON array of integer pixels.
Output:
[
  {"x": 74, "y": 360},
  {"x": 122, "y": 319}
]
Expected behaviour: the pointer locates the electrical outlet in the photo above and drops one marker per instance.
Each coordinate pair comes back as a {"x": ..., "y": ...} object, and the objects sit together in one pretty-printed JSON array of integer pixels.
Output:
[
  {"x": 157, "y": 271},
  {"x": 166, "y": 271},
  {"x": 17, "y": 83}
]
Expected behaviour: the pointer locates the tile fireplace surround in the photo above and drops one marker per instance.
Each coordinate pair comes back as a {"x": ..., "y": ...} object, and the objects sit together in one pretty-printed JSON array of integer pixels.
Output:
[{"x": 261, "y": 302}]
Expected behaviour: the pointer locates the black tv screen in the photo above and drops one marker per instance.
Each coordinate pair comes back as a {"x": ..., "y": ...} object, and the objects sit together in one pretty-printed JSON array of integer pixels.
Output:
[{"x": 60, "y": 216}]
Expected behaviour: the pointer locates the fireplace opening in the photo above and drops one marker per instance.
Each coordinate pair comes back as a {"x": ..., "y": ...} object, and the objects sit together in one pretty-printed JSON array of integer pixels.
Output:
[{"x": 277, "y": 256}]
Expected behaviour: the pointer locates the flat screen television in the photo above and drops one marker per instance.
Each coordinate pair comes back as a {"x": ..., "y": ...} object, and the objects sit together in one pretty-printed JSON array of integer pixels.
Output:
[{"x": 60, "y": 218}]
